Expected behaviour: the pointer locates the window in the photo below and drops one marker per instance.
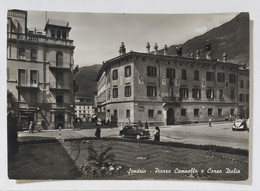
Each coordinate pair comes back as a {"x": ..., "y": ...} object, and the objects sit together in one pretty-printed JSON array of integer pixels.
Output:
[
  {"x": 196, "y": 93},
  {"x": 220, "y": 112},
  {"x": 150, "y": 113},
  {"x": 232, "y": 111},
  {"x": 183, "y": 74},
  {"x": 115, "y": 74},
  {"x": 196, "y": 75},
  {"x": 59, "y": 79},
  {"x": 247, "y": 97},
  {"x": 59, "y": 59},
  {"x": 159, "y": 112},
  {"x": 220, "y": 93},
  {"x": 59, "y": 99},
  {"x": 232, "y": 94},
  {"x": 58, "y": 34},
  {"x": 22, "y": 53},
  {"x": 210, "y": 76},
  {"x": 221, "y": 77},
  {"x": 115, "y": 92},
  {"x": 183, "y": 112},
  {"x": 210, "y": 93},
  {"x": 151, "y": 71},
  {"x": 196, "y": 112},
  {"x": 184, "y": 92},
  {"x": 210, "y": 111},
  {"x": 151, "y": 91},
  {"x": 241, "y": 97},
  {"x": 127, "y": 71},
  {"x": 33, "y": 54},
  {"x": 170, "y": 73},
  {"x": 21, "y": 77},
  {"x": 241, "y": 82},
  {"x": 232, "y": 78},
  {"x": 128, "y": 113},
  {"x": 64, "y": 35},
  {"x": 52, "y": 33},
  {"x": 34, "y": 77},
  {"x": 127, "y": 91}
]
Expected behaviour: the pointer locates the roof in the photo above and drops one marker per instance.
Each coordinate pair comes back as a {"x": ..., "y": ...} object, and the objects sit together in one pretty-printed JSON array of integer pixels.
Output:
[
  {"x": 57, "y": 23},
  {"x": 158, "y": 56}
]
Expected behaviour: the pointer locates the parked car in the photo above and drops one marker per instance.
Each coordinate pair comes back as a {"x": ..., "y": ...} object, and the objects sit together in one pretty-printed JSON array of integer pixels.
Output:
[
  {"x": 240, "y": 124},
  {"x": 134, "y": 131}
]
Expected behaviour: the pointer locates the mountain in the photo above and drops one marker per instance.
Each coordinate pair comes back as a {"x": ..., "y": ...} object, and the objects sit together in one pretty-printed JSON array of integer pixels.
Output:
[
  {"x": 231, "y": 37},
  {"x": 86, "y": 78}
]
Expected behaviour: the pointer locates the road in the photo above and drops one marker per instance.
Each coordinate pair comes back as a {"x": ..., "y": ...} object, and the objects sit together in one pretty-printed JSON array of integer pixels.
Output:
[{"x": 200, "y": 134}]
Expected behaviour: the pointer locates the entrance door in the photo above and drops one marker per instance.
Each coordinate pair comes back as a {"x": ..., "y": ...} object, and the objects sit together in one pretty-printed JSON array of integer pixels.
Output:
[
  {"x": 170, "y": 116},
  {"x": 59, "y": 121}
]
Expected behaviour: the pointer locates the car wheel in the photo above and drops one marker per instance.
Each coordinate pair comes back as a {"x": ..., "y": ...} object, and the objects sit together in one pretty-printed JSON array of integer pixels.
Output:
[
  {"x": 138, "y": 137},
  {"x": 233, "y": 129}
]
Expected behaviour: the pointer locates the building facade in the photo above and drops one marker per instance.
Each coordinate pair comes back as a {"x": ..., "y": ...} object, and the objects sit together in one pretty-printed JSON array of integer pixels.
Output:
[
  {"x": 167, "y": 90},
  {"x": 39, "y": 72},
  {"x": 84, "y": 108}
]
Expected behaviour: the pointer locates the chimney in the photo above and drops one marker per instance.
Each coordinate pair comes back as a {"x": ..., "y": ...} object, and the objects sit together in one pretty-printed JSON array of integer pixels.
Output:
[
  {"x": 122, "y": 49},
  {"x": 197, "y": 54},
  {"x": 208, "y": 50},
  {"x": 165, "y": 50},
  {"x": 148, "y": 47},
  {"x": 155, "y": 49},
  {"x": 179, "y": 50},
  {"x": 191, "y": 55},
  {"x": 224, "y": 57},
  {"x": 209, "y": 55}
]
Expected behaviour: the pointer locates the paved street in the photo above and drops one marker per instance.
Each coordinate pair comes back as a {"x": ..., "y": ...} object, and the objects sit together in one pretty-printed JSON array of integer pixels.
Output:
[{"x": 219, "y": 134}]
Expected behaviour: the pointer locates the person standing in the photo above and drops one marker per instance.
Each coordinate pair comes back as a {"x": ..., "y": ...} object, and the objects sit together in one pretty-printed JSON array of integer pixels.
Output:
[
  {"x": 146, "y": 125},
  {"x": 210, "y": 122},
  {"x": 157, "y": 134},
  {"x": 98, "y": 132},
  {"x": 31, "y": 127}
]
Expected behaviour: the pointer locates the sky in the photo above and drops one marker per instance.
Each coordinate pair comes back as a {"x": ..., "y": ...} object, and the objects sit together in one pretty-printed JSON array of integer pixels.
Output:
[{"x": 97, "y": 36}]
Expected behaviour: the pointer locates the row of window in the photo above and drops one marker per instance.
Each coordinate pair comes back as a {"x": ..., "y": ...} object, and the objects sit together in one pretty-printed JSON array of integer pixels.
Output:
[
  {"x": 196, "y": 112},
  {"x": 85, "y": 107},
  {"x": 89, "y": 112},
  {"x": 170, "y": 73},
  {"x": 59, "y": 34},
  {"x": 22, "y": 77},
  {"x": 241, "y": 84}
]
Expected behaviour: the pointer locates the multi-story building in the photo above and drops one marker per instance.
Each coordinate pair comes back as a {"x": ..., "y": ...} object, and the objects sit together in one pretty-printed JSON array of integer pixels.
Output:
[
  {"x": 39, "y": 71},
  {"x": 84, "y": 107},
  {"x": 165, "y": 89}
]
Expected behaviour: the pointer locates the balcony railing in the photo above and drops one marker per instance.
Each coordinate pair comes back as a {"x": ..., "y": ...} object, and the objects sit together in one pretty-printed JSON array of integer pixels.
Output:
[
  {"x": 60, "y": 105},
  {"x": 172, "y": 99},
  {"x": 60, "y": 86},
  {"x": 63, "y": 66},
  {"x": 39, "y": 38},
  {"x": 32, "y": 84}
]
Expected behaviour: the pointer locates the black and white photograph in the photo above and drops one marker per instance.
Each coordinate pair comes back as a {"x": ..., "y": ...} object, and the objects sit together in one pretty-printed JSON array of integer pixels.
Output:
[{"x": 109, "y": 96}]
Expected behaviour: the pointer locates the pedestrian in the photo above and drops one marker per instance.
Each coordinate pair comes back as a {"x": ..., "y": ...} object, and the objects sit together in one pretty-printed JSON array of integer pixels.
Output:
[
  {"x": 129, "y": 121},
  {"x": 157, "y": 134},
  {"x": 146, "y": 125},
  {"x": 31, "y": 127},
  {"x": 98, "y": 132},
  {"x": 210, "y": 122}
]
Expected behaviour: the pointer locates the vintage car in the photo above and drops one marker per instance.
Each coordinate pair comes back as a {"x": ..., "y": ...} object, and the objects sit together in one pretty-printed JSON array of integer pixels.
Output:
[
  {"x": 134, "y": 131},
  {"x": 240, "y": 124}
]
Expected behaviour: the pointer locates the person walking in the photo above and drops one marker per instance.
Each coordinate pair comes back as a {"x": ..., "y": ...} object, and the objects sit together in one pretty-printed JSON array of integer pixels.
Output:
[
  {"x": 157, "y": 134},
  {"x": 98, "y": 132},
  {"x": 210, "y": 122}
]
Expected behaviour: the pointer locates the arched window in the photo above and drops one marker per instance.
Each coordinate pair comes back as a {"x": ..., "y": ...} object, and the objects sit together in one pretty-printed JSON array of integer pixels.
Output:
[
  {"x": 21, "y": 53},
  {"x": 58, "y": 34},
  {"x": 33, "y": 54},
  {"x": 64, "y": 35},
  {"x": 52, "y": 33},
  {"x": 59, "y": 59}
]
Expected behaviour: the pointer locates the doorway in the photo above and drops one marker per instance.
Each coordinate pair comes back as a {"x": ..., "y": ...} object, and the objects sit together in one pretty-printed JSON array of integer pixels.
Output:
[
  {"x": 59, "y": 121},
  {"x": 170, "y": 116}
]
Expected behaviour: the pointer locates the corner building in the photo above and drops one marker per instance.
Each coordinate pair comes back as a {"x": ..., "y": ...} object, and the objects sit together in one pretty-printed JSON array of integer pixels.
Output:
[
  {"x": 39, "y": 71},
  {"x": 166, "y": 90}
]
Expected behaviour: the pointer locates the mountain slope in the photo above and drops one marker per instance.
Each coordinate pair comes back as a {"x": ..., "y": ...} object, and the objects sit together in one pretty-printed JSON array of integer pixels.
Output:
[
  {"x": 86, "y": 78},
  {"x": 231, "y": 37}
]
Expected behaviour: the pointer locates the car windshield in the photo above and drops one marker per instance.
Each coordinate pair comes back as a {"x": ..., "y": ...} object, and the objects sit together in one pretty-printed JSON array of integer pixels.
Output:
[
  {"x": 239, "y": 120},
  {"x": 136, "y": 127}
]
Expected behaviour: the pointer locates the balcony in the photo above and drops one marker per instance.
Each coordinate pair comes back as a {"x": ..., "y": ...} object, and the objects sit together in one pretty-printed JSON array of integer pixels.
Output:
[
  {"x": 60, "y": 87},
  {"x": 34, "y": 84},
  {"x": 39, "y": 38},
  {"x": 172, "y": 99},
  {"x": 60, "y": 106},
  {"x": 65, "y": 66}
]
